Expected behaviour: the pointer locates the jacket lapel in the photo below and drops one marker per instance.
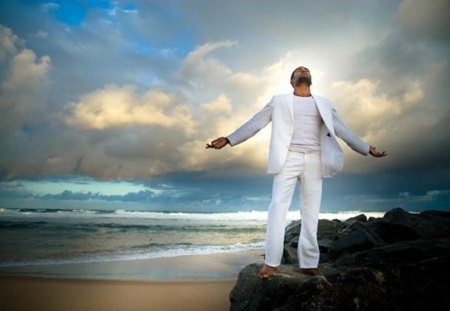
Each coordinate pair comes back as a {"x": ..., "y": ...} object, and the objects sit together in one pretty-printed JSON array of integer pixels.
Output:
[
  {"x": 290, "y": 101},
  {"x": 325, "y": 113}
]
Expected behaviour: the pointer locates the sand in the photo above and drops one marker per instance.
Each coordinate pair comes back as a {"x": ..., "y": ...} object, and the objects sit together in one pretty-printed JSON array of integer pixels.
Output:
[
  {"x": 65, "y": 294},
  {"x": 195, "y": 282}
]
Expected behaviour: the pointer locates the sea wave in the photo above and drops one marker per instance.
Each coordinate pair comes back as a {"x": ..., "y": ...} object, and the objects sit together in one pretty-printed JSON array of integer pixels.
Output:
[
  {"x": 91, "y": 227},
  {"x": 258, "y": 216},
  {"x": 184, "y": 249}
]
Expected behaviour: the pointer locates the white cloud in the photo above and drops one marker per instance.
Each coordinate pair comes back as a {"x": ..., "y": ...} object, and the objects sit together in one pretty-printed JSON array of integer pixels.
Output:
[
  {"x": 198, "y": 67},
  {"x": 366, "y": 109},
  {"x": 430, "y": 195},
  {"x": 118, "y": 10},
  {"x": 8, "y": 41},
  {"x": 49, "y": 6},
  {"x": 219, "y": 105},
  {"x": 27, "y": 71},
  {"x": 113, "y": 129},
  {"x": 238, "y": 96},
  {"x": 115, "y": 106},
  {"x": 375, "y": 117},
  {"x": 23, "y": 84}
]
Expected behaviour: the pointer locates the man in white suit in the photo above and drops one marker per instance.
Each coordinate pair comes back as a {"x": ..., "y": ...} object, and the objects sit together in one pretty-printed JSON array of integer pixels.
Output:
[{"x": 303, "y": 147}]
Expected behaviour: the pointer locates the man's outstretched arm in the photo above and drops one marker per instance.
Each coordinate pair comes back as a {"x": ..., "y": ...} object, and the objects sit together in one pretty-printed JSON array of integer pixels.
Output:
[
  {"x": 247, "y": 130},
  {"x": 351, "y": 139}
]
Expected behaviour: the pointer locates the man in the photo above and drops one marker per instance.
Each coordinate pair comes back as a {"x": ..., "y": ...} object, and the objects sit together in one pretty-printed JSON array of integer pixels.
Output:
[{"x": 303, "y": 147}]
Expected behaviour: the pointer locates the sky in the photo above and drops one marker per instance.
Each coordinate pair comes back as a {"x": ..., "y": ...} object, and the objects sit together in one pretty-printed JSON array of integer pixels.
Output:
[{"x": 109, "y": 104}]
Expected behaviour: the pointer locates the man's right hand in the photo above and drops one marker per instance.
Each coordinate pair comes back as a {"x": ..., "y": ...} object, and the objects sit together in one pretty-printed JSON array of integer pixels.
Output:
[
  {"x": 218, "y": 143},
  {"x": 374, "y": 152}
]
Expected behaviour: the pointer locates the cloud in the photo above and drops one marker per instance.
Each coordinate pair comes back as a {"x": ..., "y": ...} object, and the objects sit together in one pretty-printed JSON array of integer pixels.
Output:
[
  {"x": 8, "y": 42},
  {"x": 133, "y": 112},
  {"x": 217, "y": 106},
  {"x": 237, "y": 95},
  {"x": 425, "y": 19},
  {"x": 26, "y": 71},
  {"x": 404, "y": 124},
  {"x": 367, "y": 111},
  {"x": 136, "y": 91},
  {"x": 113, "y": 106},
  {"x": 41, "y": 34},
  {"x": 23, "y": 83},
  {"x": 49, "y": 6},
  {"x": 197, "y": 67}
]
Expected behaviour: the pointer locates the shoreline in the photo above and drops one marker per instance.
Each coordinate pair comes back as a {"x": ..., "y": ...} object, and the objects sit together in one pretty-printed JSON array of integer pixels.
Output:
[{"x": 203, "y": 267}]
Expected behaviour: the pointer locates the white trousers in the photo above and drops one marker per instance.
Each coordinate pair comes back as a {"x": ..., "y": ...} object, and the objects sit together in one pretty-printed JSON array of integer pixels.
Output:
[{"x": 306, "y": 168}]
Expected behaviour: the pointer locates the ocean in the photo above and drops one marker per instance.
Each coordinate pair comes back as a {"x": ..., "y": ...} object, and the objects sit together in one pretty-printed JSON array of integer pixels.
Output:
[{"x": 38, "y": 237}]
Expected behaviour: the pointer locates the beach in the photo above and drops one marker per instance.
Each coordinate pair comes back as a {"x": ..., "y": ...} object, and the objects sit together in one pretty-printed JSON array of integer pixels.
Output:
[
  {"x": 56, "y": 259},
  {"x": 40, "y": 293},
  {"x": 194, "y": 282}
]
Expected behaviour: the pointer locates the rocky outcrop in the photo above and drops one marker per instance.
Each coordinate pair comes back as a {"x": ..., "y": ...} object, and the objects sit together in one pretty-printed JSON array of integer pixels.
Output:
[{"x": 400, "y": 261}]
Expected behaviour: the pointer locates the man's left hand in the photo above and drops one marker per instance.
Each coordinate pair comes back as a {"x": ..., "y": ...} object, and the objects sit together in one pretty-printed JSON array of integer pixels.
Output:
[{"x": 374, "y": 152}]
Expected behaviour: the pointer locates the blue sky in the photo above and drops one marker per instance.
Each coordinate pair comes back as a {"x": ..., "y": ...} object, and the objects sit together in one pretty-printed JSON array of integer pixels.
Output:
[{"x": 109, "y": 104}]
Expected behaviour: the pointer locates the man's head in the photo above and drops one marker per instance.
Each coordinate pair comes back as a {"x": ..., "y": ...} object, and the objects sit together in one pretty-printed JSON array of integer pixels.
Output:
[{"x": 301, "y": 75}]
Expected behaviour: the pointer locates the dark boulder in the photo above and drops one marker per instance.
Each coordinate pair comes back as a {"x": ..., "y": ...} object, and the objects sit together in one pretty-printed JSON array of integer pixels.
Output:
[
  {"x": 326, "y": 230},
  {"x": 406, "y": 251},
  {"x": 397, "y": 262},
  {"x": 427, "y": 224},
  {"x": 253, "y": 293},
  {"x": 356, "y": 237}
]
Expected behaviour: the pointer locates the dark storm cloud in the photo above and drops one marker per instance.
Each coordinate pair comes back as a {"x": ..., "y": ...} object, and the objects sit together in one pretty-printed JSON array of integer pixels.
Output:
[
  {"x": 417, "y": 138},
  {"x": 146, "y": 46},
  {"x": 384, "y": 64}
]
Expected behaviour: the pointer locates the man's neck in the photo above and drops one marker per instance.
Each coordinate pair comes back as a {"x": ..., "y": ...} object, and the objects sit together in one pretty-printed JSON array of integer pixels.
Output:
[{"x": 302, "y": 90}]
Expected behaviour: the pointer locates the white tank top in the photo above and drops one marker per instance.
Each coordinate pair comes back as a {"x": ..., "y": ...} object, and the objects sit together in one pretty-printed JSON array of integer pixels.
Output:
[{"x": 307, "y": 124}]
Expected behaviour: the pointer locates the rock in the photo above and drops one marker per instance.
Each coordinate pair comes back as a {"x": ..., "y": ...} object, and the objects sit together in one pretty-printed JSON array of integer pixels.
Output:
[
  {"x": 403, "y": 286},
  {"x": 292, "y": 230},
  {"x": 356, "y": 237},
  {"x": 398, "y": 262},
  {"x": 366, "y": 286},
  {"x": 395, "y": 288},
  {"x": 439, "y": 214},
  {"x": 351, "y": 220},
  {"x": 289, "y": 255},
  {"x": 326, "y": 231},
  {"x": 427, "y": 224},
  {"x": 408, "y": 251},
  {"x": 253, "y": 293},
  {"x": 391, "y": 232}
]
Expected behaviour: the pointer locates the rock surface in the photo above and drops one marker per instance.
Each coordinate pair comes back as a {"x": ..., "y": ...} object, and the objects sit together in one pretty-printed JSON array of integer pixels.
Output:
[{"x": 400, "y": 261}]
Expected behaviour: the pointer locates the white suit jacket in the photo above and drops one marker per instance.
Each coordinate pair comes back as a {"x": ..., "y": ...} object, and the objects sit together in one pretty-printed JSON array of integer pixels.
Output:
[{"x": 280, "y": 110}]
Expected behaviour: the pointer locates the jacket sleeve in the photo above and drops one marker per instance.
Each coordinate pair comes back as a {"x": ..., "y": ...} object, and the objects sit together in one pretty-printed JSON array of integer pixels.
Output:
[
  {"x": 350, "y": 138},
  {"x": 253, "y": 125}
]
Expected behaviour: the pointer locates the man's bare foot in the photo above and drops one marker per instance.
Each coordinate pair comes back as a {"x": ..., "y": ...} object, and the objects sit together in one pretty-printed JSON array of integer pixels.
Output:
[
  {"x": 311, "y": 271},
  {"x": 266, "y": 271}
]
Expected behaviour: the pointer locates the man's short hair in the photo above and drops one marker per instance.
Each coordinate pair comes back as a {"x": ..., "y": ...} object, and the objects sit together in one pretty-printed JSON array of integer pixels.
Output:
[{"x": 292, "y": 75}]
